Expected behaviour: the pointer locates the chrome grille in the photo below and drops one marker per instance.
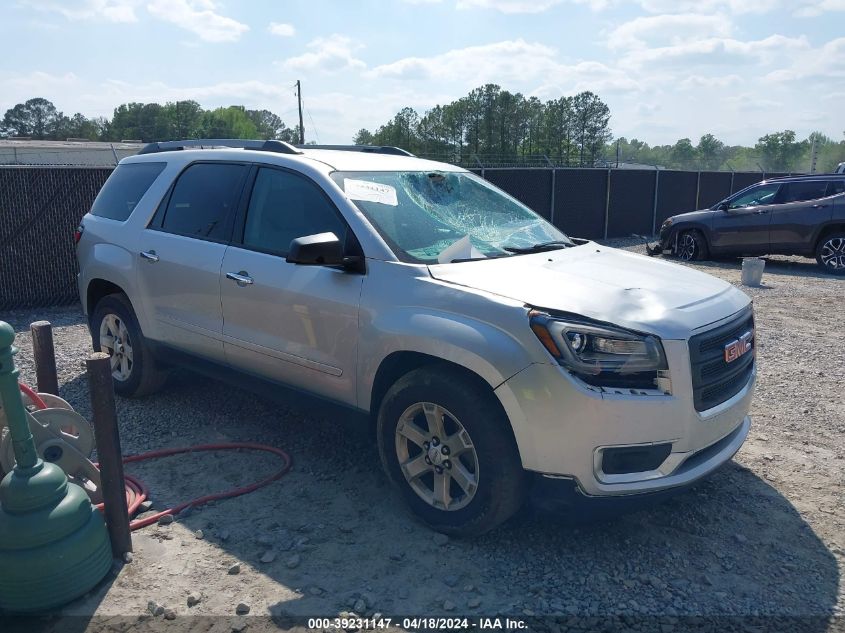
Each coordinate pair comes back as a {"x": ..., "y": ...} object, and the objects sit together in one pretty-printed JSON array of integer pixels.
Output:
[{"x": 713, "y": 379}]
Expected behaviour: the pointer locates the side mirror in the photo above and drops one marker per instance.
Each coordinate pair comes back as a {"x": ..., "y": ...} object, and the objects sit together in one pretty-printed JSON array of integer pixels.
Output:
[
  {"x": 723, "y": 206},
  {"x": 322, "y": 249}
]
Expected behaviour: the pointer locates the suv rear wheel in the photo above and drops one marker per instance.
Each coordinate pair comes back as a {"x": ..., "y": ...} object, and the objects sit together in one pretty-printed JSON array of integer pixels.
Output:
[
  {"x": 448, "y": 448},
  {"x": 691, "y": 246},
  {"x": 830, "y": 253},
  {"x": 115, "y": 330}
]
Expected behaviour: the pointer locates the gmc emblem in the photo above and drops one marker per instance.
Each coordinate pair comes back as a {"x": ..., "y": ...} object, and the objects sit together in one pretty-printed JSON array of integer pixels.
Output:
[{"x": 738, "y": 347}]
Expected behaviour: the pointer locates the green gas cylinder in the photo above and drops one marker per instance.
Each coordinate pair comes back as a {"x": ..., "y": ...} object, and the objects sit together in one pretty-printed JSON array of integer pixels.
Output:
[{"x": 54, "y": 546}]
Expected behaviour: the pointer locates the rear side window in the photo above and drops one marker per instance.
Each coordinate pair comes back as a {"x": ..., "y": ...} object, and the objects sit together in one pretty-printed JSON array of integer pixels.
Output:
[
  {"x": 124, "y": 189},
  {"x": 203, "y": 200},
  {"x": 836, "y": 186},
  {"x": 800, "y": 191}
]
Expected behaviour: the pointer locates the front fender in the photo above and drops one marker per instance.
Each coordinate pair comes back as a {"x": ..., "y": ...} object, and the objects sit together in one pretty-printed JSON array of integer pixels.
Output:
[{"x": 404, "y": 309}]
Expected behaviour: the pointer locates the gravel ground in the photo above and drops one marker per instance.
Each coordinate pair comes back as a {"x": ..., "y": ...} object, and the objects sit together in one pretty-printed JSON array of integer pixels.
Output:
[{"x": 764, "y": 536}]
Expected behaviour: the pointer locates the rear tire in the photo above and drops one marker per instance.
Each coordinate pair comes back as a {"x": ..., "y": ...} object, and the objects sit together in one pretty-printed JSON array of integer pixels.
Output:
[
  {"x": 692, "y": 246},
  {"x": 830, "y": 253},
  {"x": 470, "y": 478},
  {"x": 115, "y": 330}
]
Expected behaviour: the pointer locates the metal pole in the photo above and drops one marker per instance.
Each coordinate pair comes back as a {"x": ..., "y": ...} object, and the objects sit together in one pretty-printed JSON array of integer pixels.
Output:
[
  {"x": 45, "y": 357},
  {"x": 697, "y": 189},
  {"x": 654, "y": 209},
  {"x": 607, "y": 206},
  {"x": 552, "y": 203},
  {"x": 104, "y": 419}
]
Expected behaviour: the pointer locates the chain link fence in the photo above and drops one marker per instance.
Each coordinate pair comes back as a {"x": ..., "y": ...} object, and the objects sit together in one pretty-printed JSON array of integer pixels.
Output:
[{"x": 40, "y": 207}]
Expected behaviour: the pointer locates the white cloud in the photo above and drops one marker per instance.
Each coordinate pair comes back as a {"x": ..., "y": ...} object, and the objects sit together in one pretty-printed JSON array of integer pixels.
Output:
[
  {"x": 695, "y": 82},
  {"x": 200, "y": 17},
  {"x": 508, "y": 63},
  {"x": 509, "y": 6},
  {"x": 508, "y": 60},
  {"x": 17, "y": 88},
  {"x": 812, "y": 8},
  {"x": 328, "y": 54},
  {"x": 709, "y": 6},
  {"x": 281, "y": 29},
  {"x": 107, "y": 10},
  {"x": 826, "y": 62},
  {"x": 674, "y": 29},
  {"x": 714, "y": 51}
]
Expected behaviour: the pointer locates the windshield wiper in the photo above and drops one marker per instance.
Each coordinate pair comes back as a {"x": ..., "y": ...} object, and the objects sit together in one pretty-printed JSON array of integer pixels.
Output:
[{"x": 539, "y": 248}]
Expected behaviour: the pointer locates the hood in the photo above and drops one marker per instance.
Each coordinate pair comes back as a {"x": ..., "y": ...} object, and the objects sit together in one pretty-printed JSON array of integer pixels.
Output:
[
  {"x": 605, "y": 284},
  {"x": 702, "y": 215}
]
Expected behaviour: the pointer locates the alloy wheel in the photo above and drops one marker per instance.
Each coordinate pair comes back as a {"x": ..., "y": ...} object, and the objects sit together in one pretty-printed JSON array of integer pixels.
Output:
[
  {"x": 832, "y": 253},
  {"x": 686, "y": 247},
  {"x": 436, "y": 456},
  {"x": 114, "y": 339}
]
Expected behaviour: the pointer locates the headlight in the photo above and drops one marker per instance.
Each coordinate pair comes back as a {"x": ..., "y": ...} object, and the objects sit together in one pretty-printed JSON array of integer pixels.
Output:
[
  {"x": 599, "y": 354},
  {"x": 666, "y": 224}
]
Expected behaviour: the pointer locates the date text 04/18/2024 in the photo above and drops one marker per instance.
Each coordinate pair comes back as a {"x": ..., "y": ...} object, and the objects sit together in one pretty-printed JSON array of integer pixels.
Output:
[{"x": 430, "y": 623}]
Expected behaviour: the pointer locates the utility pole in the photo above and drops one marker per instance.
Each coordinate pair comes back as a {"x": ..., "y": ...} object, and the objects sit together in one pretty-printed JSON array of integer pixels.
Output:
[{"x": 299, "y": 100}]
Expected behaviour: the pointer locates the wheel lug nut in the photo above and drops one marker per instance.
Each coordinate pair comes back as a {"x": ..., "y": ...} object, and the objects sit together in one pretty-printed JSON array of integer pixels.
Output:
[
  {"x": 445, "y": 450},
  {"x": 447, "y": 464},
  {"x": 438, "y": 469},
  {"x": 435, "y": 441},
  {"x": 427, "y": 460},
  {"x": 426, "y": 445}
]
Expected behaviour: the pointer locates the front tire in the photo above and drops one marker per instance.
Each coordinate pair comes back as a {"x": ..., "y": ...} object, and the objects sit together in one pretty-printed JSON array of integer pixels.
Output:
[
  {"x": 830, "y": 253},
  {"x": 691, "y": 246},
  {"x": 447, "y": 446},
  {"x": 115, "y": 330}
]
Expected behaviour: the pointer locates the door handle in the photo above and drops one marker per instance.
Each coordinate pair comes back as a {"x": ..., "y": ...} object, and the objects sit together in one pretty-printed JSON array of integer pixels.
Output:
[
  {"x": 242, "y": 278},
  {"x": 819, "y": 206},
  {"x": 150, "y": 256},
  {"x": 761, "y": 212}
]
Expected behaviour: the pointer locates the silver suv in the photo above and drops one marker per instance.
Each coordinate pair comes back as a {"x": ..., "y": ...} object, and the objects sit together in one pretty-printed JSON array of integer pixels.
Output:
[{"x": 492, "y": 352}]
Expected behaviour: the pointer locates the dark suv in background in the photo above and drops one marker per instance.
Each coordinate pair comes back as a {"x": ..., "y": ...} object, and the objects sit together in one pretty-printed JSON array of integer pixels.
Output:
[{"x": 797, "y": 215}]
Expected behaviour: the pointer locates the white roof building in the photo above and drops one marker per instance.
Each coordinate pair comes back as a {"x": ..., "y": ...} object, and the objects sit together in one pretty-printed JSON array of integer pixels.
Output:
[{"x": 82, "y": 153}]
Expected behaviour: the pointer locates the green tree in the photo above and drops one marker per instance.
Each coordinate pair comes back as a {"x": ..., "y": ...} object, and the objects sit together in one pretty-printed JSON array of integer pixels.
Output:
[
  {"x": 271, "y": 126},
  {"x": 710, "y": 152},
  {"x": 779, "y": 151},
  {"x": 36, "y": 118},
  {"x": 592, "y": 131},
  {"x": 363, "y": 137},
  {"x": 231, "y": 122},
  {"x": 683, "y": 154}
]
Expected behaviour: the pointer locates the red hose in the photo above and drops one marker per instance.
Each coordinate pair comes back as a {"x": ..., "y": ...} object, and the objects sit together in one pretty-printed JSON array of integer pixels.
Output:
[
  {"x": 137, "y": 492},
  {"x": 33, "y": 396}
]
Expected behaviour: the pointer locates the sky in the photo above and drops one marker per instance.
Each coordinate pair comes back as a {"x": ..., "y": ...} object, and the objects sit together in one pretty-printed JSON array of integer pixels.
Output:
[{"x": 668, "y": 69}]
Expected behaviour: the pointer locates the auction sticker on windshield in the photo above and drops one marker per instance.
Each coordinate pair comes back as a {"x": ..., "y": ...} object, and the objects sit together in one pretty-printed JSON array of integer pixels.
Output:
[{"x": 370, "y": 192}]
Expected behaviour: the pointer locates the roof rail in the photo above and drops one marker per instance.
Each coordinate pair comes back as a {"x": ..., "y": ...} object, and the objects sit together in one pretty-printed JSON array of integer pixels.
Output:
[
  {"x": 368, "y": 149},
  {"x": 267, "y": 146}
]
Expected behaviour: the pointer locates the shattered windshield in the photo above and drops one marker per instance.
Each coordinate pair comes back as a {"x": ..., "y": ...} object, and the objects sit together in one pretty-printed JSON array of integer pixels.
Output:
[{"x": 440, "y": 217}]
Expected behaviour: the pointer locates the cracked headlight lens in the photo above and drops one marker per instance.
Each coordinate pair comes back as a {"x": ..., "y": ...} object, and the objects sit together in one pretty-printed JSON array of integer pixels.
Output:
[{"x": 596, "y": 351}]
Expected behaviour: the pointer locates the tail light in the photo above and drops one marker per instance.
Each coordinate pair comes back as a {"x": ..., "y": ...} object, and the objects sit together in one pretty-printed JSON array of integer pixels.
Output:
[{"x": 77, "y": 234}]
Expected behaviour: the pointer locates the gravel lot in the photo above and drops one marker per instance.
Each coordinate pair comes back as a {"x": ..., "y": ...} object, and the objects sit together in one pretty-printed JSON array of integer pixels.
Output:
[{"x": 762, "y": 537}]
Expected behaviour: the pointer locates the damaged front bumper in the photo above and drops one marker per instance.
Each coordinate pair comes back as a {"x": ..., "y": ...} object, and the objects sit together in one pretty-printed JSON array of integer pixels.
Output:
[{"x": 663, "y": 243}]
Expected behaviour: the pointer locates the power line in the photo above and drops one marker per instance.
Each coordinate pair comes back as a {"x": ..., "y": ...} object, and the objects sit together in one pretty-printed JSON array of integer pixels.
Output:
[{"x": 316, "y": 134}]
